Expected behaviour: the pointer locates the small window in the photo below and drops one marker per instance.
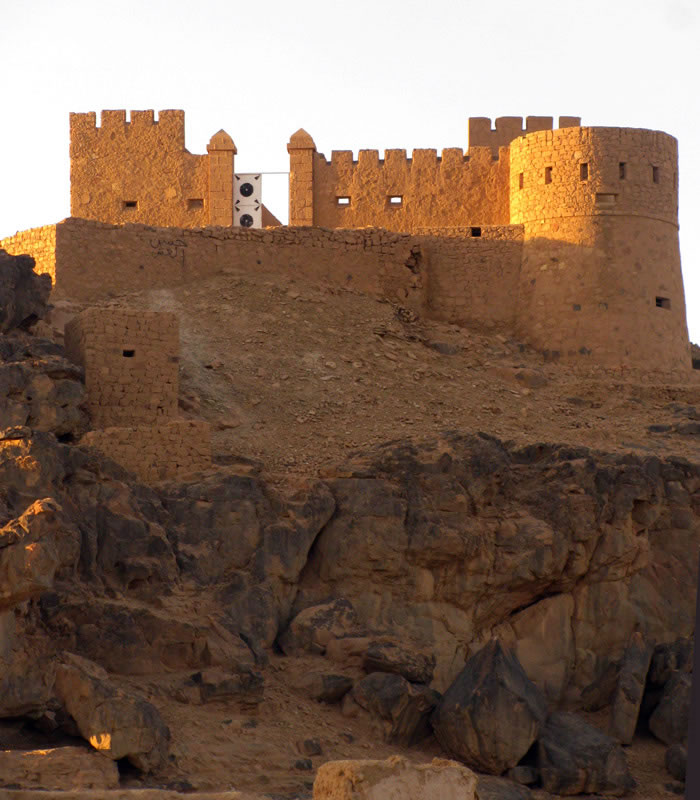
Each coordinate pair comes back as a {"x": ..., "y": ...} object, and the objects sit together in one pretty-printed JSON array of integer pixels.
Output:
[
  {"x": 195, "y": 204},
  {"x": 395, "y": 200},
  {"x": 342, "y": 201},
  {"x": 655, "y": 174},
  {"x": 128, "y": 353},
  {"x": 521, "y": 180},
  {"x": 476, "y": 231},
  {"x": 623, "y": 170},
  {"x": 547, "y": 174},
  {"x": 583, "y": 170},
  {"x": 663, "y": 302},
  {"x": 577, "y": 307},
  {"x": 605, "y": 200},
  {"x": 131, "y": 204}
]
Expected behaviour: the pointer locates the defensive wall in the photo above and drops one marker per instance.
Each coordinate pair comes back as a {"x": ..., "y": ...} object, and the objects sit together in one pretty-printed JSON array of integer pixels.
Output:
[
  {"x": 597, "y": 209},
  {"x": 139, "y": 170},
  {"x": 567, "y": 238},
  {"x": 404, "y": 194},
  {"x": 130, "y": 361},
  {"x": 458, "y": 278}
]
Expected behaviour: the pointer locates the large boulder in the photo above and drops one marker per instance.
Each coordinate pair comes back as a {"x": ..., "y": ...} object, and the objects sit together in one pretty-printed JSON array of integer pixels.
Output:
[
  {"x": 401, "y": 709},
  {"x": 630, "y": 688},
  {"x": 676, "y": 760},
  {"x": 492, "y": 713},
  {"x": 574, "y": 757},
  {"x": 23, "y": 294},
  {"x": 394, "y": 778},
  {"x": 669, "y": 722},
  {"x": 32, "y": 547},
  {"x": 59, "y": 768},
  {"x": 116, "y": 723}
]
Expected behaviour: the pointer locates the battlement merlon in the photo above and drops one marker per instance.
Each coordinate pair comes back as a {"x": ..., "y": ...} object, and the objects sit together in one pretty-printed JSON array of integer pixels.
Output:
[{"x": 481, "y": 134}]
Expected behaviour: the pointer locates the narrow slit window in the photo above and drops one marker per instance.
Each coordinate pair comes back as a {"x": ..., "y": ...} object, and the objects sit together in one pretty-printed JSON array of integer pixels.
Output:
[
  {"x": 521, "y": 180},
  {"x": 476, "y": 231},
  {"x": 655, "y": 174},
  {"x": 395, "y": 200},
  {"x": 623, "y": 170},
  {"x": 195, "y": 204},
  {"x": 342, "y": 201},
  {"x": 547, "y": 174},
  {"x": 583, "y": 170},
  {"x": 663, "y": 302},
  {"x": 131, "y": 204},
  {"x": 128, "y": 353}
]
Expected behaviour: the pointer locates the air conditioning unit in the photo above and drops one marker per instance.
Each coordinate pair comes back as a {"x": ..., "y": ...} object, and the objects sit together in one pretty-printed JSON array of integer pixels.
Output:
[{"x": 247, "y": 200}]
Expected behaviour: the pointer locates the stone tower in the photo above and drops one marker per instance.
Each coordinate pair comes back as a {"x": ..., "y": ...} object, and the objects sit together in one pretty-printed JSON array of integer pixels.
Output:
[{"x": 601, "y": 271}]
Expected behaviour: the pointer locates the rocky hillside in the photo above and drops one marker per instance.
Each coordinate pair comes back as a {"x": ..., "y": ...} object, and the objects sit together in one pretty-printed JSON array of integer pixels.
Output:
[{"x": 237, "y": 631}]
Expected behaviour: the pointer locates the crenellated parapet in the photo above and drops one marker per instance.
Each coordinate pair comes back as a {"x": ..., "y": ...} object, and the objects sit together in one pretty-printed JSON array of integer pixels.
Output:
[
  {"x": 506, "y": 129},
  {"x": 136, "y": 168}
]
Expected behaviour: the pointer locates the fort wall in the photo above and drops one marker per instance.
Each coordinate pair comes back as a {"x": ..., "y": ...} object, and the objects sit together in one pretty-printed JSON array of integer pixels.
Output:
[
  {"x": 165, "y": 451},
  {"x": 600, "y": 274},
  {"x": 446, "y": 277},
  {"x": 506, "y": 129},
  {"x": 403, "y": 194}
]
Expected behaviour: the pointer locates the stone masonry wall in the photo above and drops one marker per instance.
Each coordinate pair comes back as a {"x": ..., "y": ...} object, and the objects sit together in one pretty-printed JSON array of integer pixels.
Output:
[
  {"x": 131, "y": 364},
  {"x": 40, "y": 243},
  {"x": 167, "y": 450},
  {"x": 445, "y": 277},
  {"x": 601, "y": 274}
]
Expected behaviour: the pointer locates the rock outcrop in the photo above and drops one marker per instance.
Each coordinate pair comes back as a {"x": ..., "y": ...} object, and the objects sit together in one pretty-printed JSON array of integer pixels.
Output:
[{"x": 24, "y": 295}]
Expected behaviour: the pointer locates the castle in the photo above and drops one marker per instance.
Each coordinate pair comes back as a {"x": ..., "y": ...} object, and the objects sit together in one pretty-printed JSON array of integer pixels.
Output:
[{"x": 566, "y": 238}]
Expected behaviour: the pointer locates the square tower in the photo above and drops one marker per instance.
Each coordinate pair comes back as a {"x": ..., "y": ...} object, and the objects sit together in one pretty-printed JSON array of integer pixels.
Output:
[{"x": 130, "y": 360}]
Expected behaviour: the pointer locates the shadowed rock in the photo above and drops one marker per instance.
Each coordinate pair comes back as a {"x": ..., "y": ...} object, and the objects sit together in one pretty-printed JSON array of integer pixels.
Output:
[
  {"x": 492, "y": 713},
  {"x": 23, "y": 294}
]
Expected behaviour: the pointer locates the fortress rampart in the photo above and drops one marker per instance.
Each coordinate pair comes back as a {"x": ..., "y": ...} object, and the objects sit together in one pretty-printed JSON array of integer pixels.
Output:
[{"x": 567, "y": 237}]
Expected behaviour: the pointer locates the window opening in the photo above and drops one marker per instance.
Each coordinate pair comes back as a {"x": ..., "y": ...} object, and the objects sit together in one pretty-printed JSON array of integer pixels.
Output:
[
  {"x": 342, "y": 201},
  {"x": 195, "y": 203},
  {"x": 131, "y": 204},
  {"x": 547, "y": 174},
  {"x": 395, "y": 200},
  {"x": 476, "y": 231},
  {"x": 663, "y": 302},
  {"x": 521, "y": 180},
  {"x": 655, "y": 174},
  {"x": 128, "y": 353},
  {"x": 623, "y": 170},
  {"x": 584, "y": 171},
  {"x": 577, "y": 307}
]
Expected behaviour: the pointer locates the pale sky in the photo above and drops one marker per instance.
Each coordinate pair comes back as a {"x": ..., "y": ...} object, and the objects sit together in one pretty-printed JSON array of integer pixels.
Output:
[{"x": 365, "y": 74}]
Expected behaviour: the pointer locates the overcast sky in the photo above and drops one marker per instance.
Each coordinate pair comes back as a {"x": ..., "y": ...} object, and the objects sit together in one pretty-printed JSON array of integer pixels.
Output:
[{"x": 359, "y": 74}]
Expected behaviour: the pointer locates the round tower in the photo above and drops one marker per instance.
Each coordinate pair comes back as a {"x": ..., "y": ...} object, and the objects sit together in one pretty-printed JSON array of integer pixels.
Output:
[{"x": 601, "y": 272}]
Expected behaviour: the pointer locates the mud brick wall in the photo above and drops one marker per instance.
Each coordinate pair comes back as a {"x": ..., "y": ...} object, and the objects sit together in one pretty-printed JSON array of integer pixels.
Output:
[
  {"x": 40, "y": 243},
  {"x": 131, "y": 364},
  {"x": 167, "y": 450}
]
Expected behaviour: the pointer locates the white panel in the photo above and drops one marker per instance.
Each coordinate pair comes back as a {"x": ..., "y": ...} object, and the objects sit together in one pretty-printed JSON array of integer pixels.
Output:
[
  {"x": 247, "y": 187},
  {"x": 247, "y": 216}
]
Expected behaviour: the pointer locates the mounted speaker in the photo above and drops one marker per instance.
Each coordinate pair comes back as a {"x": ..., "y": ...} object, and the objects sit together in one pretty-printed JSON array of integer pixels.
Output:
[{"x": 247, "y": 200}]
